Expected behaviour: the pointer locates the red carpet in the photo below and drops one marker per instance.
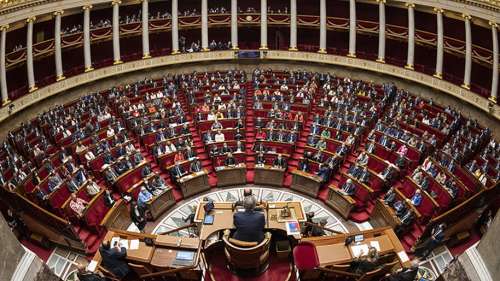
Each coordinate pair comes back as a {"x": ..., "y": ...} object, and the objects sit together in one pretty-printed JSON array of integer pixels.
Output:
[{"x": 42, "y": 253}]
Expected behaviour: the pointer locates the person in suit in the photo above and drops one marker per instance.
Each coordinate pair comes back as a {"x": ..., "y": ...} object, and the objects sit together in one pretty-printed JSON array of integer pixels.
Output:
[
  {"x": 279, "y": 162},
  {"x": 195, "y": 166},
  {"x": 250, "y": 223},
  {"x": 437, "y": 236},
  {"x": 406, "y": 273},
  {"x": 230, "y": 161},
  {"x": 348, "y": 188},
  {"x": 138, "y": 216},
  {"x": 177, "y": 171},
  {"x": 84, "y": 275},
  {"x": 113, "y": 259},
  {"x": 318, "y": 230},
  {"x": 390, "y": 196},
  {"x": 304, "y": 165},
  {"x": 108, "y": 199},
  {"x": 362, "y": 159},
  {"x": 362, "y": 265},
  {"x": 324, "y": 172}
]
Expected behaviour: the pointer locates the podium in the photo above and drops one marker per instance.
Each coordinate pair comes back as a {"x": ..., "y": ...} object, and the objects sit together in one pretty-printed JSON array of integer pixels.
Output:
[
  {"x": 194, "y": 183},
  {"x": 306, "y": 183},
  {"x": 268, "y": 175},
  {"x": 231, "y": 175}
]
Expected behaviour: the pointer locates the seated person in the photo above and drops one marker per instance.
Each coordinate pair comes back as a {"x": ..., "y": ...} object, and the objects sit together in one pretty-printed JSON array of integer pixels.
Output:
[
  {"x": 214, "y": 151},
  {"x": 177, "y": 171},
  {"x": 195, "y": 166},
  {"x": 321, "y": 144},
  {"x": 230, "y": 160},
  {"x": 324, "y": 172},
  {"x": 146, "y": 171},
  {"x": 219, "y": 137},
  {"x": 250, "y": 223},
  {"x": 108, "y": 199},
  {"x": 260, "y": 159},
  {"x": 144, "y": 197},
  {"x": 362, "y": 264},
  {"x": 390, "y": 196},
  {"x": 342, "y": 150},
  {"x": 354, "y": 171},
  {"x": 400, "y": 208},
  {"x": 279, "y": 162},
  {"x": 364, "y": 176},
  {"x": 416, "y": 199},
  {"x": 84, "y": 275},
  {"x": 405, "y": 274},
  {"x": 77, "y": 205},
  {"x": 226, "y": 149},
  {"x": 318, "y": 230},
  {"x": 362, "y": 159},
  {"x": 92, "y": 188},
  {"x": 348, "y": 188},
  {"x": 304, "y": 165},
  {"x": 113, "y": 259}
]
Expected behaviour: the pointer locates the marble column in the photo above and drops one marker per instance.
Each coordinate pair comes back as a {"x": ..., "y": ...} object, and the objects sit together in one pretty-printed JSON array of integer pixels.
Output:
[
  {"x": 381, "y": 31},
  {"x": 468, "y": 52},
  {"x": 410, "y": 57},
  {"x": 322, "y": 26},
  {"x": 145, "y": 29},
  {"x": 57, "y": 46},
  {"x": 263, "y": 24},
  {"x": 494, "y": 80},
  {"x": 204, "y": 25},
  {"x": 175, "y": 27},
  {"x": 29, "y": 55},
  {"x": 116, "y": 32},
  {"x": 293, "y": 25},
  {"x": 3, "y": 75},
  {"x": 352, "y": 28},
  {"x": 86, "y": 38},
  {"x": 439, "y": 43},
  {"x": 234, "y": 24}
]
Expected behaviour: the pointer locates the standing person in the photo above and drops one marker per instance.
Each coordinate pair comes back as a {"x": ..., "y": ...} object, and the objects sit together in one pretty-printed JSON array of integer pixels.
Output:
[
  {"x": 138, "y": 216},
  {"x": 250, "y": 223},
  {"x": 437, "y": 237}
]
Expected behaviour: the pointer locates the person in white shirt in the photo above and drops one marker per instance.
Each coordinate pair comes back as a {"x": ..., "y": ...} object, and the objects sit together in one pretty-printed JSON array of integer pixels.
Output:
[
  {"x": 92, "y": 188},
  {"x": 211, "y": 116},
  {"x": 110, "y": 132},
  {"x": 89, "y": 156},
  {"x": 130, "y": 148},
  {"x": 219, "y": 137},
  {"x": 170, "y": 147}
]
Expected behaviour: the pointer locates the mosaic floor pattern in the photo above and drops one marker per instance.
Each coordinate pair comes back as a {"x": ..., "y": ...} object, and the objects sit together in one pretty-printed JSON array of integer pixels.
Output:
[{"x": 177, "y": 217}]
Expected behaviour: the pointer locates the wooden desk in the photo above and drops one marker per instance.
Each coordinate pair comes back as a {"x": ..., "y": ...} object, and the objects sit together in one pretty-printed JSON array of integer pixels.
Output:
[
  {"x": 160, "y": 203},
  {"x": 332, "y": 250},
  {"x": 194, "y": 183},
  {"x": 341, "y": 203},
  {"x": 384, "y": 215},
  {"x": 223, "y": 217},
  {"x": 162, "y": 254},
  {"x": 236, "y": 175},
  {"x": 268, "y": 175},
  {"x": 306, "y": 183}
]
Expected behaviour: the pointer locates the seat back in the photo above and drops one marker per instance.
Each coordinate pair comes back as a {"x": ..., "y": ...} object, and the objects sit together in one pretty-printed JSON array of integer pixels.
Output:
[
  {"x": 139, "y": 269},
  {"x": 305, "y": 256},
  {"x": 241, "y": 257}
]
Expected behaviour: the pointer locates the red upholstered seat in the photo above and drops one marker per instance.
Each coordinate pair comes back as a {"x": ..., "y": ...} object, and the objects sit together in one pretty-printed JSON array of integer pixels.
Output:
[{"x": 305, "y": 256}]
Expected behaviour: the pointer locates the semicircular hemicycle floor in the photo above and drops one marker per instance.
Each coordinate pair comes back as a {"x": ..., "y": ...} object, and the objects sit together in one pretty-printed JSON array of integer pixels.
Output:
[{"x": 176, "y": 218}]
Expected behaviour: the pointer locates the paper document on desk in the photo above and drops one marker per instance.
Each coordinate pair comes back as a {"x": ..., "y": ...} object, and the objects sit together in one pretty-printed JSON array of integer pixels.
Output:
[
  {"x": 92, "y": 266},
  {"x": 123, "y": 243},
  {"x": 376, "y": 245},
  {"x": 403, "y": 256},
  {"x": 359, "y": 250},
  {"x": 134, "y": 244}
]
